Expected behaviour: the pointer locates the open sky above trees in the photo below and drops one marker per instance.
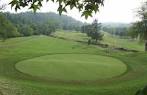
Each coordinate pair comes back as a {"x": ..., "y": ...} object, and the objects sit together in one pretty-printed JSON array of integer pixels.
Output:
[{"x": 113, "y": 11}]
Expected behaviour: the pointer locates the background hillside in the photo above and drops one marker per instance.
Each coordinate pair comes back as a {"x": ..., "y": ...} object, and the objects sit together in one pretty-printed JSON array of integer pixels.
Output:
[{"x": 62, "y": 22}]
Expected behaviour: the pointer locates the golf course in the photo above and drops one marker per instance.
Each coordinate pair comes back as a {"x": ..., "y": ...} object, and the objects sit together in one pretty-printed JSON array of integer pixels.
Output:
[
  {"x": 44, "y": 65},
  {"x": 73, "y": 47}
]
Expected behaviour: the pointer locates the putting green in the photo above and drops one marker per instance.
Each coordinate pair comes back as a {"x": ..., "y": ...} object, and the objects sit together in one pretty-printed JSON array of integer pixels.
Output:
[{"x": 76, "y": 67}]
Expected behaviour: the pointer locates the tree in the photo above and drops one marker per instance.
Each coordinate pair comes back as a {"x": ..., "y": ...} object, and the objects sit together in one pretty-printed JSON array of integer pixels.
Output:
[
  {"x": 87, "y": 7},
  {"x": 7, "y": 30},
  {"x": 25, "y": 30},
  {"x": 134, "y": 30},
  {"x": 48, "y": 29},
  {"x": 93, "y": 31},
  {"x": 140, "y": 27}
]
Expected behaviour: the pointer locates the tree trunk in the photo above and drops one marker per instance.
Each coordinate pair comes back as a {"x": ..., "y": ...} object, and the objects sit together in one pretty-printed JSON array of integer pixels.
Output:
[
  {"x": 145, "y": 45},
  {"x": 89, "y": 42}
]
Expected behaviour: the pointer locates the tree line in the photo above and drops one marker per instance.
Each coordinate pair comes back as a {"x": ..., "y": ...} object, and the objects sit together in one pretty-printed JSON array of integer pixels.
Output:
[
  {"x": 117, "y": 29},
  {"x": 28, "y": 23}
]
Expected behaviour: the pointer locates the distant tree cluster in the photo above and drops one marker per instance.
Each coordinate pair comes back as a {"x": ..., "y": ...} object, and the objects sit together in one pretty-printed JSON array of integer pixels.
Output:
[
  {"x": 60, "y": 22},
  {"x": 93, "y": 31},
  {"x": 117, "y": 30},
  {"x": 28, "y": 23}
]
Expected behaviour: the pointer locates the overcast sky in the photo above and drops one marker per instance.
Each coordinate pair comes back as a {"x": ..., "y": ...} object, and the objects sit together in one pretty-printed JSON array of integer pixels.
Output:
[{"x": 113, "y": 11}]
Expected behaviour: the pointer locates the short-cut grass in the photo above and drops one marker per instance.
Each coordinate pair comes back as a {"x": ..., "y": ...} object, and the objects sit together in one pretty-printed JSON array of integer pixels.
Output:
[
  {"x": 72, "y": 67},
  {"x": 15, "y": 50}
]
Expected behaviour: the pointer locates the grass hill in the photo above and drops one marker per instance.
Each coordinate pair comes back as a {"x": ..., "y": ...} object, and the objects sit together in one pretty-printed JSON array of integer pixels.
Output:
[
  {"x": 42, "y": 65},
  {"x": 113, "y": 41}
]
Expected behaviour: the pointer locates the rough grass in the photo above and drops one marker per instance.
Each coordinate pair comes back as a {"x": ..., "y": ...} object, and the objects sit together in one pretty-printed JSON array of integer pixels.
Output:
[
  {"x": 17, "y": 83},
  {"x": 113, "y": 41},
  {"x": 72, "y": 67}
]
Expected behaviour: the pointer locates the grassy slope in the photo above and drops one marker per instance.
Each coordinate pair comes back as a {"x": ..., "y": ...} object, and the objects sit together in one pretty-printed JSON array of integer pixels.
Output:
[
  {"x": 108, "y": 39},
  {"x": 126, "y": 43},
  {"x": 15, "y": 50}
]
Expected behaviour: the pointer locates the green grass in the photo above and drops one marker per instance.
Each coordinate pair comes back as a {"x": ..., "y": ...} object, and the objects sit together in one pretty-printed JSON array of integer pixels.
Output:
[
  {"x": 72, "y": 67},
  {"x": 14, "y": 82},
  {"x": 76, "y": 36},
  {"x": 113, "y": 41}
]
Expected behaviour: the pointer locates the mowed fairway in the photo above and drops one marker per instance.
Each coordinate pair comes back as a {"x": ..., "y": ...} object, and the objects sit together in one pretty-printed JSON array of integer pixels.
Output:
[
  {"x": 75, "y": 67},
  {"x": 42, "y": 65}
]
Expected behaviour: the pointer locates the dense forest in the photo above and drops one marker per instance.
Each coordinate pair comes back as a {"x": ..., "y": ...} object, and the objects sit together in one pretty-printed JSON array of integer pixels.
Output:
[{"x": 29, "y": 23}]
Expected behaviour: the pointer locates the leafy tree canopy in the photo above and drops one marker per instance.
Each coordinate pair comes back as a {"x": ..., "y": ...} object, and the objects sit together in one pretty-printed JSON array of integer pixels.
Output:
[
  {"x": 140, "y": 28},
  {"x": 93, "y": 31},
  {"x": 87, "y": 7},
  {"x": 7, "y": 29}
]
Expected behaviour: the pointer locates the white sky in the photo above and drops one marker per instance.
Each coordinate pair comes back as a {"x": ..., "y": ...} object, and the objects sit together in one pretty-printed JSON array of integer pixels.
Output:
[{"x": 113, "y": 11}]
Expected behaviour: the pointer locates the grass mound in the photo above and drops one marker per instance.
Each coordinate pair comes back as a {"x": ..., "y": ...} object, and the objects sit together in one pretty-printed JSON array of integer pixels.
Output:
[{"x": 75, "y": 67}]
